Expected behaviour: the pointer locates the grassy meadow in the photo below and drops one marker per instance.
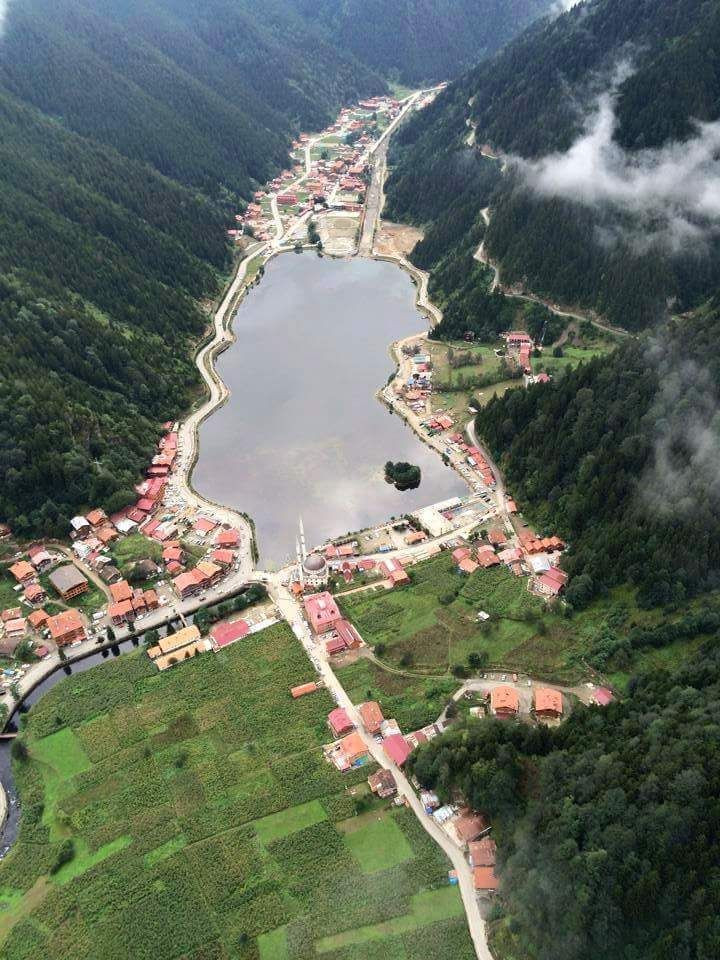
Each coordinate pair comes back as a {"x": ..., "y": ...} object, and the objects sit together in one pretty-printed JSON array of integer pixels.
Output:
[
  {"x": 190, "y": 815},
  {"x": 431, "y": 626}
]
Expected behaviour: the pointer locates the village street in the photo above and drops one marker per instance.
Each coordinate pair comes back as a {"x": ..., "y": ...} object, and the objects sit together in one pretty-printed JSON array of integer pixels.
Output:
[{"x": 291, "y": 611}]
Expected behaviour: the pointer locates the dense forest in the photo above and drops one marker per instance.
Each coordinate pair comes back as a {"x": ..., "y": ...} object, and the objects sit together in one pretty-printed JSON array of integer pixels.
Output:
[
  {"x": 535, "y": 99},
  {"x": 417, "y": 41},
  {"x": 607, "y": 826},
  {"x": 620, "y": 456}
]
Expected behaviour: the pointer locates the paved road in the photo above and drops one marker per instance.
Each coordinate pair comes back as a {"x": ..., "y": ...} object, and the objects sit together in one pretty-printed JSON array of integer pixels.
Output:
[
  {"x": 500, "y": 493},
  {"x": 290, "y": 610},
  {"x": 179, "y": 485}
]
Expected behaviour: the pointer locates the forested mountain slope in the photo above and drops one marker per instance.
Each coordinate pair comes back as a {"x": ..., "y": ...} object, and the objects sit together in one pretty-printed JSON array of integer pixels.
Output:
[
  {"x": 564, "y": 226},
  {"x": 607, "y": 826},
  {"x": 130, "y": 131},
  {"x": 620, "y": 456},
  {"x": 421, "y": 40}
]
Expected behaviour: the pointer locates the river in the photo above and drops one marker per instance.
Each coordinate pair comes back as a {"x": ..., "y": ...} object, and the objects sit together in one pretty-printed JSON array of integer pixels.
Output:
[{"x": 303, "y": 432}]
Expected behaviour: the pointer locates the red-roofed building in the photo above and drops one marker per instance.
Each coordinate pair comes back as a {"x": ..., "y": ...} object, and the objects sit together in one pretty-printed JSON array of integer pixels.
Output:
[
  {"x": 66, "y": 627},
  {"x": 322, "y": 612},
  {"x": 497, "y": 537},
  {"x": 484, "y": 878},
  {"x": 121, "y": 612},
  {"x": 34, "y": 593},
  {"x": 470, "y": 825},
  {"x": 224, "y": 634},
  {"x": 121, "y": 591},
  {"x": 334, "y": 646},
  {"x": 38, "y": 619},
  {"x": 482, "y": 853},
  {"x": 40, "y": 558},
  {"x": 151, "y": 600},
  {"x": 96, "y": 517},
  {"x": 227, "y": 538},
  {"x": 552, "y": 582},
  {"x": 202, "y": 525},
  {"x": 487, "y": 557},
  {"x": 209, "y": 571},
  {"x": 461, "y": 553},
  {"x": 399, "y": 577},
  {"x": 186, "y": 584},
  {"x": 602, "y": 696},
  {"x": 504, "y": 701},
  {"x": 353, "y": 748},
  {"x": 397, "y": 748},
  {"x": 371, "y": 716},
  {"x": 23, "y": 571},
  {"x": 173, "y": 553},
  {"x": 348, "y": 634},
  {"x": 339, "y": 722},
  {"x": 223, "y": 558},
  {"x": 548, "y": 704},
  {"x": 467, "y": 566}
]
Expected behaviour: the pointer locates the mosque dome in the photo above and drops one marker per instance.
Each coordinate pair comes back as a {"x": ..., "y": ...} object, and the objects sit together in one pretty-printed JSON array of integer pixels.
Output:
[{"x": 314, "y": 563}]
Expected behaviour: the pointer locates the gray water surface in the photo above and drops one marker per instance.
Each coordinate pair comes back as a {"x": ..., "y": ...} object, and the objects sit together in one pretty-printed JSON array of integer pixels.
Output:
[{"x": 303, "y": 432}]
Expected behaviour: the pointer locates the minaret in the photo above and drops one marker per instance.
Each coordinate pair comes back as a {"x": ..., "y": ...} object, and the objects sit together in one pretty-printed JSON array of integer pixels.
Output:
[
  {"x": 301, "y": 572},
  {"x": 302, "y": 540}
]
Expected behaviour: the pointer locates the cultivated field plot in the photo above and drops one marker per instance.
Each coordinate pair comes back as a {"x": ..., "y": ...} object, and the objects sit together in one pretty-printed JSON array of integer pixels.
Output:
[
  {"x": 432, "y": 624},
  {"x": 190, "y": 816},
  {"x": 412, "y": 701}
]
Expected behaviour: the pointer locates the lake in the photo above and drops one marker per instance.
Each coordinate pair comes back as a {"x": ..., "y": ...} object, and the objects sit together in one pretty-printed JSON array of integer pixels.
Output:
[{"x": 303, "y": 432}]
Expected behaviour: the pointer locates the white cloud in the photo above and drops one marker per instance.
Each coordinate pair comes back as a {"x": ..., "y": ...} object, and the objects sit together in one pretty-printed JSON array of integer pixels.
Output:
[
  {"x": 3, "y": 12},
  {"x": 674, "y": 190},
  {"x": 684, "y": 423}
]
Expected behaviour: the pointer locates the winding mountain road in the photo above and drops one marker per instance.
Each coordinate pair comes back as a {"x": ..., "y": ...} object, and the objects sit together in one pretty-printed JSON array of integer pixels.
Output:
[{"x": 481, "y": 256}]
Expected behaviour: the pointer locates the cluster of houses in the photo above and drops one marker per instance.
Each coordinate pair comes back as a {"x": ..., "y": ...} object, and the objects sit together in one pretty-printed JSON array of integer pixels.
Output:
[
  {"x": 503, "y": 701},
  {"x": 327, "y": 623},
  {"x": 534, "y": 556},
  {"x": 29, "y": 621},
  {"x": 349, "y": 749},
  {"x": 337, "y": 180},
  {"x": 519, "y": 345},
  {"x": 312, "y": 572}
]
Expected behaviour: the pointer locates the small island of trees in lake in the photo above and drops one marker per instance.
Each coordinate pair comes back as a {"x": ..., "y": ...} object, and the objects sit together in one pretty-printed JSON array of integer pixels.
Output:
[{"x": 405, "y": 476}]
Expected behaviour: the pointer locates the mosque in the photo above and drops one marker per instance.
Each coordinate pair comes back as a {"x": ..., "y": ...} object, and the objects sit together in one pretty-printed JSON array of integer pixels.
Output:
[{"x": 312, "y": 568}]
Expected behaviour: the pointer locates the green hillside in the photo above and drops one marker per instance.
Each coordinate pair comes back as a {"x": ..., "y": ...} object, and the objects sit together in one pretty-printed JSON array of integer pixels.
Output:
[
  {"x": 534, "y": 98},
  {"x": 606, "y": 826},
  {"x": 130, "y": 133},
  {"x": 421, "y": 40}
]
